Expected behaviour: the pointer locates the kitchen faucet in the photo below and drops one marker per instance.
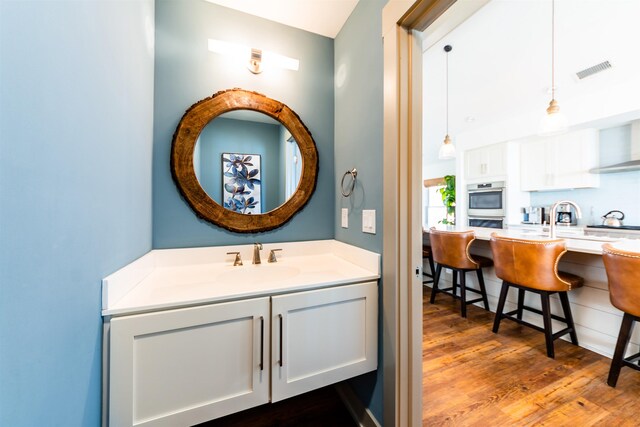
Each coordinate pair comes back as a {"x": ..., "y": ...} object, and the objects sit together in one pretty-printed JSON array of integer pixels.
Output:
[
  {"x": 553, "y": 214},
  {"x": 256, "y": 253}
]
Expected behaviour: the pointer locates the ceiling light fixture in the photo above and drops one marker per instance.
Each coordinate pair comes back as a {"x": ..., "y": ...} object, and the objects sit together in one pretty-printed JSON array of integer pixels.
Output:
[
  {"x": 553, "y": 122},
  {"x": 256, "y": 59},
  {"x": 447, "y": 149}
]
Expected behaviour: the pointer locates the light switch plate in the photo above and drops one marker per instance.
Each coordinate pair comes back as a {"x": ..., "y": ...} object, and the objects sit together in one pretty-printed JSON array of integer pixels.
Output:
[
  {"x": 345, "y": 218},
  {"x": 369, "y": 221}
]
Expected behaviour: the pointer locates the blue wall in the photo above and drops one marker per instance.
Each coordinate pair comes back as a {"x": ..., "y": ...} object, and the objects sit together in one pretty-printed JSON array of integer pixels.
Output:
[
  {"x": 242, "y": 137},
  {"x": 358, "y": 133},
  {"x": 186, "y": 72},
  {"x": 619, "y": 191},
  {"x": 76, "y": 104}
]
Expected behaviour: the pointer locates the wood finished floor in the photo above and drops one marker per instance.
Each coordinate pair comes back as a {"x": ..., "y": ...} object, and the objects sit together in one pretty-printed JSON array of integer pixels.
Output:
[
  {"x": 473, "y": 377},
  {"x": 319, "y": 408}
]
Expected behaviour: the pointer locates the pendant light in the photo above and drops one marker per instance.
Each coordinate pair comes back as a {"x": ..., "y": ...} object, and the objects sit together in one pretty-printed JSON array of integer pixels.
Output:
[
  {"x": 447, "y": 149},
  {"x": 553, "y": 122}
]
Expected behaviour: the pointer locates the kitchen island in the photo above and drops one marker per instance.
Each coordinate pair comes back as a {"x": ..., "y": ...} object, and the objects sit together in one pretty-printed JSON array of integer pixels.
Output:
[{"x": 597, "y": 321}]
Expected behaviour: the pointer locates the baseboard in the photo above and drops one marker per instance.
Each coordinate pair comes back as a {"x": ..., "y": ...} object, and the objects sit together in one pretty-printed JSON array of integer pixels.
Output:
[{"x": 360, "y": 414}]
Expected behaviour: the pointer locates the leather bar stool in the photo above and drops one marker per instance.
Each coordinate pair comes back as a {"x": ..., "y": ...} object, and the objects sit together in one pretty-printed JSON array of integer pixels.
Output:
[
  {"x": 427, "y": 253},
  {"x": 623, "y": 272},
  {"x": 451, "y": 250},
  {"x": 532, "y": 266}
]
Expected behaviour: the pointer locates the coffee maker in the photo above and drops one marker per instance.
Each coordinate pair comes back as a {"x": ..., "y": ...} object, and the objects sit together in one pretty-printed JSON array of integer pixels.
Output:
[{"x": 566, "y": 215}]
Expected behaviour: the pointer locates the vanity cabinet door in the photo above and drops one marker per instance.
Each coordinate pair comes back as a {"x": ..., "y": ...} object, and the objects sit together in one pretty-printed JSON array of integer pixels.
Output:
[
  {"x": 186, "y": 366},
  {"x": 322, "y": 337}
]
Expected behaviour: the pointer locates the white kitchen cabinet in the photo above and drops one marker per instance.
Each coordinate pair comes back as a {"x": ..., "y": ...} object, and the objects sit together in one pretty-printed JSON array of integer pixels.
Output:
[
  {"x": 186, "y": 366},
  {"x": 559, "y": 162},
  {"x": 190, "y": 365},
  {"x": 486, "y": 162},
  {"x": 322, "y": 337}
]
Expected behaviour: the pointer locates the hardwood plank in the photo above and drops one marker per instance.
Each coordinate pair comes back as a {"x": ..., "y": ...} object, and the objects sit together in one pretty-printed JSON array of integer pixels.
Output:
[{"x": 473, "y": 377}]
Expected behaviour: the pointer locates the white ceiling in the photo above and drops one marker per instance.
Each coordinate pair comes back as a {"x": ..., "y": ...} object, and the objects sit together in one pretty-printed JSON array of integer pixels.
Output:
[
  {"x": 324, "y": 17},
  {"x": 500, "y": 65}
]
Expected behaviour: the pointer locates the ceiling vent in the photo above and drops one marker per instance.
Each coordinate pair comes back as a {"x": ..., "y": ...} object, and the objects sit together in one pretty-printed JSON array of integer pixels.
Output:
[{"x": 593, "y": 70}]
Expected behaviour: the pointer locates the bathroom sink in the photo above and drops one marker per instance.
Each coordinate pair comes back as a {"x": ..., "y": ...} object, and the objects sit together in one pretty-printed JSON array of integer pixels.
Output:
[{"x": 255, "y": 273}]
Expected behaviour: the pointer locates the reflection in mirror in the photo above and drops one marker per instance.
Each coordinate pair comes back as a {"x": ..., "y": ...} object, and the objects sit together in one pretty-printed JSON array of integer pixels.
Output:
[{"x": 247, "y": 162}]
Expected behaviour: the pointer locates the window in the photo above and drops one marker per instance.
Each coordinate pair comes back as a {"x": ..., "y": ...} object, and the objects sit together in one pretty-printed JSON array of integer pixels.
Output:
[{"x": 434, "y": 209}]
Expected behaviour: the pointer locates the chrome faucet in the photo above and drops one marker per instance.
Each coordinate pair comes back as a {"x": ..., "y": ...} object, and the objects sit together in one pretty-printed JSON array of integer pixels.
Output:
[
  {"x": 256, "y": 253},
  {"x": 553, "y": 215}
]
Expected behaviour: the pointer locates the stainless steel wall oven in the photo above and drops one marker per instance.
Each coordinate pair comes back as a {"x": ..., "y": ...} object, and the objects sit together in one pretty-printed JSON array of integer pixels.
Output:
[{"x": 486, "y": 204}]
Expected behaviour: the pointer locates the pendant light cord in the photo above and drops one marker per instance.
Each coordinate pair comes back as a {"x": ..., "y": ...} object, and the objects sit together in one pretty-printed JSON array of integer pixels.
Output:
[
  {"x": 447, "y": 49},
  {"x": 447, "y": 84},
  {"x": 553, "y": 49}
]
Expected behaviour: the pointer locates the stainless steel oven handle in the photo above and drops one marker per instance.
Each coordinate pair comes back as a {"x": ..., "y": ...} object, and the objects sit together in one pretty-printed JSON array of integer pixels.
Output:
[{"x": 484, "y": 190}]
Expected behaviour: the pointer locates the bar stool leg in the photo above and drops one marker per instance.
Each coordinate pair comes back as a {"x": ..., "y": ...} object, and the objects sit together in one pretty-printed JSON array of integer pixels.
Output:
[
  {"x": 621, "y": 346},
  {"x": 463, "y": 293},
  {"x": 546, "y": 317},
  {"x": 432, "y": 267},
  {"x": 520, "y": 303},
  {"x": 455, "y": 284},
  {"x": 566, "y": 308},
  {"x": 503, "y": 297},
  {"x": 434, "y": 289},
  {"x": 483, "y": 289}
]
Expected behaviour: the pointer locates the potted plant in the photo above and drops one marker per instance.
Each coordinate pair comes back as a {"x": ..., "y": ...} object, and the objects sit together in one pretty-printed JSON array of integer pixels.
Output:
[{"x": 448, "y": 193}]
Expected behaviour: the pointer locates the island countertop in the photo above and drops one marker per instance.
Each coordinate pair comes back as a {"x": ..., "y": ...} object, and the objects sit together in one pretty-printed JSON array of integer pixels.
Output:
[{"x": 575, "y": 241}]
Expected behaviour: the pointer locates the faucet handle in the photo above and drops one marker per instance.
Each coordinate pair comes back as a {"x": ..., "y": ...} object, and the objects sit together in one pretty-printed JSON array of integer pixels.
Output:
[
  {"x": 237, "y": 261},
  {"x": 272, "y": 255}
]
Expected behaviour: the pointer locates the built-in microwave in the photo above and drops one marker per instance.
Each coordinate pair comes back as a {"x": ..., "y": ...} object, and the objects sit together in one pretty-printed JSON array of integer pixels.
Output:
[{"x": 486, "y": 200}]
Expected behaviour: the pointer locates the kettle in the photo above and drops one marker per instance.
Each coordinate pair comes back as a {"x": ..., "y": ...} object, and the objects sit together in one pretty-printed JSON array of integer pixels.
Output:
[{"x": 612, "y": 221}]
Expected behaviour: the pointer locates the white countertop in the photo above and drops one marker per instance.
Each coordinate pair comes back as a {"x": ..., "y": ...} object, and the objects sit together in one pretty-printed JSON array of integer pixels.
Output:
[{"x": 173, "y": 278}]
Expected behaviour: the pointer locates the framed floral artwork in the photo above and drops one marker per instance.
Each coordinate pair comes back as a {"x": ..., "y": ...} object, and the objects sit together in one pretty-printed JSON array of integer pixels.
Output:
[{"x": 241, "y": 175}]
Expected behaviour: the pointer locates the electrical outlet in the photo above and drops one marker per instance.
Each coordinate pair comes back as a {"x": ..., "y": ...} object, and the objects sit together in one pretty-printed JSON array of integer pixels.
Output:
[{"x": 345, "y": 218}]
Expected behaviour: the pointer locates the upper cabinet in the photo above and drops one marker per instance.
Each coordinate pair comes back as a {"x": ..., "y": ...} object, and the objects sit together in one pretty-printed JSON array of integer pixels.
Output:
[
  {"x": 559, "y": 162},
  {"x": 486, "y": 162}
]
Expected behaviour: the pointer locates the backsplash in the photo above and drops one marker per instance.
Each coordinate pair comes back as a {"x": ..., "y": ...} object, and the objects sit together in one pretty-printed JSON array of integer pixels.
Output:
[{"x": 619, "y": 191}]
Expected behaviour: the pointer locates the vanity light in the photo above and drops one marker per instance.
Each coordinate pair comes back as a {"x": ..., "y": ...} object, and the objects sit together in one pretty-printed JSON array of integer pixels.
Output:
[
  {"x": 553, "y": 122},
  {"x": 447, "y": 149},
  {"x": 257, "y": 58}
]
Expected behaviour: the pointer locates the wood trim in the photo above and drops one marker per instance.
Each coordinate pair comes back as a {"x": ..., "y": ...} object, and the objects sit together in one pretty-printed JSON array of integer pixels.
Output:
[
  {"x": 402, "y": 289},
  {"x": 361, "y": 415},
  {"x": 434, "y": 182},
  {"x": 423, "y": 13}
]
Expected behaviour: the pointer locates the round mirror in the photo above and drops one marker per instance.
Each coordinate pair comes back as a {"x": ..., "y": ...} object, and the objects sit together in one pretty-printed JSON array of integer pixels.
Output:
[{"x": 244, "y": 161}]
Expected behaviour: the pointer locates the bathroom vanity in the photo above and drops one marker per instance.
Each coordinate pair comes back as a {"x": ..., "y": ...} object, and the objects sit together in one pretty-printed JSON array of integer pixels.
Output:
[{"x": 188, "y": 337}]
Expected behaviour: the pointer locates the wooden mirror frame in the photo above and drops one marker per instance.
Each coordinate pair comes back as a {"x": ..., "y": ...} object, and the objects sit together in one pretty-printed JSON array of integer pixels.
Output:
[{"x": 182, "y": 169}]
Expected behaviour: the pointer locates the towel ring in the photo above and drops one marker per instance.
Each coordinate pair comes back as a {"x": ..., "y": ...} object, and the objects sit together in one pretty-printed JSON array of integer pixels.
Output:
[{"x": 354, "y": 173}]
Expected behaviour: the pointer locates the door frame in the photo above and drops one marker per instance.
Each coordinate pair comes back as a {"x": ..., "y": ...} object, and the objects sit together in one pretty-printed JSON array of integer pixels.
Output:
[{"x": 402, "y": 227}]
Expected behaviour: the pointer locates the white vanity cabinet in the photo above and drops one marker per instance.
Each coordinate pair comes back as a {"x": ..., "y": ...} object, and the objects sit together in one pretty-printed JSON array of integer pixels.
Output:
[
  {"x": 190, "y": 365},
  {"x": 560, "y": 162},
  {"x": 322, "y": 337},
  {"x": 486, "y": 162},
  {"x": 186, "y": 366},
  {"x": 187, "y": 339}
]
